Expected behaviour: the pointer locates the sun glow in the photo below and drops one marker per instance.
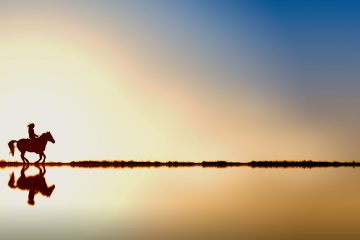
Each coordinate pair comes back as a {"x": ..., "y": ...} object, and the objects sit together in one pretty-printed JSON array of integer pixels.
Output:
[
  {"x": 54, "y": 80},
  {"x": 90, "y": 92}
]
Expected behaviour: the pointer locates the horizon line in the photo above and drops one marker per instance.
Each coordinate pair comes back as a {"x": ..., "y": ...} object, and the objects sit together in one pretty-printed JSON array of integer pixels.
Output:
[{"x": 204, "y": 164}]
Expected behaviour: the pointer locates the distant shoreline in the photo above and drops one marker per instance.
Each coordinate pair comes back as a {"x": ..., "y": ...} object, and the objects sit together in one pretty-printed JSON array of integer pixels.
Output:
[{"x": 204, "y": 164}]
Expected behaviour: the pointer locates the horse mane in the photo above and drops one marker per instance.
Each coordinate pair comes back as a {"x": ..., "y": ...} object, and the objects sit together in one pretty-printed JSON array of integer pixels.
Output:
[{"x": 45, "y": 133}]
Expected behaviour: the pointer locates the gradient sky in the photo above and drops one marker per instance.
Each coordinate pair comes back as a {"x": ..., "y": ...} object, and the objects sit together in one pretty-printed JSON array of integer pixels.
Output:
[{"x": 182, "y": 80}]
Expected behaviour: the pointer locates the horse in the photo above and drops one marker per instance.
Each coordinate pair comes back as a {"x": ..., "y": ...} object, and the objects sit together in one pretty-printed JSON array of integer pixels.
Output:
[
  {"x": 34, "y": 184},
  {"x": 36, "y": 145}
]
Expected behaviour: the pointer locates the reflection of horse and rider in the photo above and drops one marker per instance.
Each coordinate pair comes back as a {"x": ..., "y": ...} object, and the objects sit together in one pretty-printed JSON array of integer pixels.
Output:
[
  {"x": 34, "y": 143},
  {"x": 34, "y": 184}
]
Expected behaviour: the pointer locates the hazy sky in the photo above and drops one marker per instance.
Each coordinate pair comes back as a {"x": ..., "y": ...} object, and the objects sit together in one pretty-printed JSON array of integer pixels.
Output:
[{"x": 182, "y": 80}]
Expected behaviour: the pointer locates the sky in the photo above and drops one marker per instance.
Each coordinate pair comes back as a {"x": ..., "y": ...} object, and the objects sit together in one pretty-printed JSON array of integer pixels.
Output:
[{"x": 182, "y": 80}]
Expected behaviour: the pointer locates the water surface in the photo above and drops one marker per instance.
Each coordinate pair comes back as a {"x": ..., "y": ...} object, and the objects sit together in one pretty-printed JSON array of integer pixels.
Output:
[{"x": 183, "y": 203}]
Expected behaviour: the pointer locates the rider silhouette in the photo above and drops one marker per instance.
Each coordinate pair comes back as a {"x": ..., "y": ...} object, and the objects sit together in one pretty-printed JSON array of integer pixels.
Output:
[{"x": 32, "y": 134}]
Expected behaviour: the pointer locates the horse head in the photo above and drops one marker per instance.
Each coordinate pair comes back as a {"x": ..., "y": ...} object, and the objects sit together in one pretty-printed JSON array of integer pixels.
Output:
[{"x": 49, "y": 137}]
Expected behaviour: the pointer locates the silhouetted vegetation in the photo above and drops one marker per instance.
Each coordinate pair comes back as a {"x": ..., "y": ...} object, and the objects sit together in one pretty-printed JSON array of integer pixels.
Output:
[{"x": 204, "y": 164}]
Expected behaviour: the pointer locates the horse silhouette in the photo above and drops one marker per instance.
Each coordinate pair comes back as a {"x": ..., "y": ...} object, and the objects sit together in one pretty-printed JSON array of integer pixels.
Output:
[
  {"x": 34, "y": 184},
  {"x": 36, "y": 145}
]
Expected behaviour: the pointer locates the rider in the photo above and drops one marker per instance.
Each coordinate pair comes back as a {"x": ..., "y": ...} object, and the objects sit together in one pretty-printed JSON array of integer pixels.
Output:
[{"x": 32, "y": 134}]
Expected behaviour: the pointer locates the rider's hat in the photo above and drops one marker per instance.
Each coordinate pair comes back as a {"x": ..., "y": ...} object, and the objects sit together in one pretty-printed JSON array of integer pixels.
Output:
[{"x": 31, "y": 125}]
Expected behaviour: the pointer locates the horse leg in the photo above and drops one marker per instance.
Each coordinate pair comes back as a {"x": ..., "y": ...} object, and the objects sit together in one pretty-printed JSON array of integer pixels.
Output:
[
  {"x": 44, "y": 170},
  {"x": 24, "y": 158},
  {"x": 43, "y": 154},
  {"x": 23, "y": 170},
  {"x": 40, "y": 157}
]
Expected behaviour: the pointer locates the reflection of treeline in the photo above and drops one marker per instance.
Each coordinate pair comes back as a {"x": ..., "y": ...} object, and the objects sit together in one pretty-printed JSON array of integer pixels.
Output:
[
  {"x": 302, "y": 164},
  {"x": 216, "y": 164},
  {"x": 132, "y": 163}
]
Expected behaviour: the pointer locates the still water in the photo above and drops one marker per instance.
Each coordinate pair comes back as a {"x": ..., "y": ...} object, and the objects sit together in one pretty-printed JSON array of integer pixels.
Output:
[{"x": 179, "y": 203}]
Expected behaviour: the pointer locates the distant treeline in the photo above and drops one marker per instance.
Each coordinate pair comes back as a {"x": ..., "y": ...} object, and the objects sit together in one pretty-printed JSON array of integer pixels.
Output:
[{"x": 216, "y": 164}]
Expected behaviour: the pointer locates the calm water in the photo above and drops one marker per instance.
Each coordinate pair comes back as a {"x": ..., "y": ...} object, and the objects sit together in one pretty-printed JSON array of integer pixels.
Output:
[{"x": 181, "y": 203}]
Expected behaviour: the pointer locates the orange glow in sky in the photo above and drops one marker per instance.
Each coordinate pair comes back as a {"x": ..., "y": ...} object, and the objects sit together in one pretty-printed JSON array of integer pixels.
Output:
[
  {"x": 91, "y": 93},
  {"x": 120, "y": 92}
]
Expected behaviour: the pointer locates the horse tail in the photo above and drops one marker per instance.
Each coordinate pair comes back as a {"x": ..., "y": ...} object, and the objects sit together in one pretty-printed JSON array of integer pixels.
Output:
[
  {"x": 12, "y": 181},
  {"x": 11, "y": 145}
]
